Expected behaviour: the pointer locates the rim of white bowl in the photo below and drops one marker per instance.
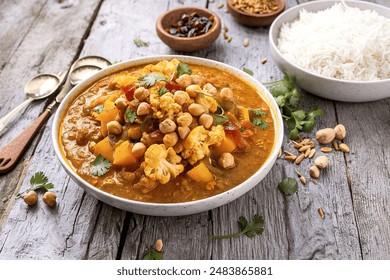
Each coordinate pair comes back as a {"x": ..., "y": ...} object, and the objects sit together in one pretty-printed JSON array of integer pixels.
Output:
[
  {"x": 268, "y": 164},
  {"x": 316, "y": 3}
]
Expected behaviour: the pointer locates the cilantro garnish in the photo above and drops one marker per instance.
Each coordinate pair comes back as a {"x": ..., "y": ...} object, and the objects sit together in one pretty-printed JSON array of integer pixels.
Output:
[
  {"x": 256, "y": 227},
  {"x": 258, "y": 112},
  {"x": 130, "y": 115},
  {"x": 38, "y": 181},
  {"x": 288, "y": 98},
  {"x": 151, "y": 79},
  {"x": 259, "y": 123},
  {"x": 153, "y": 255},
  {"x": 99, "y": 166},
  {"x": 98, "y": 109},
  {"x": 183, "y": 68},
  {"x": 162, "y": 91},
  {"x": 140, "y": 43},
  {"x": 288, "y": 186},
  {"x": 219, "y": 119},
  {"x": 248, "y": 71}
]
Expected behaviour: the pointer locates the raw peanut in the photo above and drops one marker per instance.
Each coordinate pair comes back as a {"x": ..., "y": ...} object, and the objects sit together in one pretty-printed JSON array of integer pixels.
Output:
[
  {"x": 321, "y": 162},
  {"x": 304, "y": 148},
  {"x": 312, "y": 153},
  {"x": 326, "y": 149},
  {"x": 290, "y": 158},
  {"x": 314, "y": 172},
  {"x": 335, "y": 145},
  {"x": 321, "y": 213},
  {"x": 344, "y": 148},
  {"x": 307, "y": 153},
  {"x": 340, "y": 131},
  {"x": 303, "y": 180},
  {"x": 325, "y": 136}
]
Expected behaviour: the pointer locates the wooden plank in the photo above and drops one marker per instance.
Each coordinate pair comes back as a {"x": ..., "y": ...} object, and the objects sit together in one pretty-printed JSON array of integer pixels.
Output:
[
  {"x": 292, "y": 224},
  {"x": 48, "y": 41}
]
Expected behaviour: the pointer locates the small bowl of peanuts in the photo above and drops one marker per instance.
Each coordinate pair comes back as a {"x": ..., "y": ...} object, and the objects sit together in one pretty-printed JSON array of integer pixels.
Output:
[{"x": 255, "y": 12}]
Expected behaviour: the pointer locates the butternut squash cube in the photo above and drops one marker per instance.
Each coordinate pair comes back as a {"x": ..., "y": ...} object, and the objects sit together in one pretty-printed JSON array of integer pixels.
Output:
[
  {"x": 105, "y": 149},
  {"x": 108, "y": 114},
  {"x": 123, "y": 155},
  {"x": 228, "y": 145},
  {"x": 200, "y": 173}
]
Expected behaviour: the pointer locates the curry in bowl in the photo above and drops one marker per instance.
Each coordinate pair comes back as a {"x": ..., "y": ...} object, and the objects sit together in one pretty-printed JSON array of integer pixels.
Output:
[{"x": 167, "y": 132}]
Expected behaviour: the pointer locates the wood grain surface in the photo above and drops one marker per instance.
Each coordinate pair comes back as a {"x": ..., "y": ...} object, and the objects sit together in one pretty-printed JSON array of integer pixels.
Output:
[{"x": 353, "y": 192}]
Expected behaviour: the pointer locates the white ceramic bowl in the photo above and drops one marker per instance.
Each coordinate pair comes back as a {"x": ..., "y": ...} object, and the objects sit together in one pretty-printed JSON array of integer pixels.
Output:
[
  {"x": 331, "y": 88},
  {"x": 170, "y": 209}
]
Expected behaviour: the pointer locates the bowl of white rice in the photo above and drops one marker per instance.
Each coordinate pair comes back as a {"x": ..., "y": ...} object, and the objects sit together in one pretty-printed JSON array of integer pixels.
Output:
[{"x": 336, "y": 50}]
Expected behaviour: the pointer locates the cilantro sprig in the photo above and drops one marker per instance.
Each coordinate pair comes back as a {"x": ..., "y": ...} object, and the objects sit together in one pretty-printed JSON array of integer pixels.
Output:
[
  {"x": 151, "y": 79},
  {"x": 130, "y": 115},
  {"x": 256, "y": 227},
  {"x": 152, "y": 254},
  {"x": 140, "y": 43},
  {"x": 257, "y": 121},
  {"x": 288, "y": 186},
  {"x": 288, "y": 98},
  {"x": 38, "y": 181},
  {"x": 182, "y": 69},
  {"x": 100, "y": 166}
]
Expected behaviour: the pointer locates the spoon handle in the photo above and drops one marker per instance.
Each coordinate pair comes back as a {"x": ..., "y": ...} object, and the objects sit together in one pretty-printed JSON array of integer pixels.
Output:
[
  {"x": 10, "y": 154},
  {"x": 7, "y": 118}
]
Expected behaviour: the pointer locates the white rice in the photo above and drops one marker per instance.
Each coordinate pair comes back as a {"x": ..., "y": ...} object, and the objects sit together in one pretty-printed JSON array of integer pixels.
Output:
[{"x": 339, "y": 42}]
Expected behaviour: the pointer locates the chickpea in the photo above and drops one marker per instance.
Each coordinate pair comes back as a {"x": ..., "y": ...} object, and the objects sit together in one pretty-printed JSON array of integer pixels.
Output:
[
  {"x": 206, "y": 120},
  {"x": 114, "y": 127},
  {"x": 170, "y": 139},
  {"x": 49, "y": 198},
  {"x": 91, "y": 146},
  {"x": 184, "y": 80},
  {"x": 167, "y": 126},
  {"x": 121, "y": 103},
  {"x": 141, "y": 93},
  {"x": 192, "y": 90},
  {"x": 143, "y": 109},
  {"x": 197, "y": 79},
  {"x": 226, "y": 94},
  {"x": 138, "y": 149},
  {"x": 184, "y": 120},
  {"x": 226, "y": 160},
  {"x": 210, "y": 88},
  {"x": 31, "y": 198},
  {"x": 181, "y": 97},
  {"x": 134, "y": 132},
  {"x": 183, "y": 131},
  {"x": 196, "y": 109}
]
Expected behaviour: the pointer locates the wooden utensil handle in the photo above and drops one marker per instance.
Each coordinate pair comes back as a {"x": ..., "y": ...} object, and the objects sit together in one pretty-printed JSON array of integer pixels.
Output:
[{"x": 15, "y": 149}]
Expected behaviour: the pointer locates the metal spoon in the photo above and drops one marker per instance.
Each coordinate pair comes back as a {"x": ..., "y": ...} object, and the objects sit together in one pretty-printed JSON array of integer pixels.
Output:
[
  {"x": 92, "y": 60},
  {"x": 81, "y": 73},
  {"x": 11, "y": 153},
  {"x": 38, "y": 87}
]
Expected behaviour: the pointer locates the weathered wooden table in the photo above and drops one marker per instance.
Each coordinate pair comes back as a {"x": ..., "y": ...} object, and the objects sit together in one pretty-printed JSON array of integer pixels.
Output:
[{"x": 354, "y": 192}]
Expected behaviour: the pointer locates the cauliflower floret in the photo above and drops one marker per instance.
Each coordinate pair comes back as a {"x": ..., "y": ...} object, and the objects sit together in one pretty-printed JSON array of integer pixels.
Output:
[
  {"x": 161, "y": 164},
  {"x": 164, "y": 106},
  {"x": 208, "y": 103},
  {"x": 196, "y": 145}
]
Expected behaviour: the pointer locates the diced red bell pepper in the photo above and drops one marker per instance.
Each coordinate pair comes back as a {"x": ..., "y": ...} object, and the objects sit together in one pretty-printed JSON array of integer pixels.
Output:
[
  {"x": 240, "y": 141},
  {"x": 247, "y": 125},
  {"x": 230, "y": 127},
  {"x": 173, "y": 87},
  {"x": 129, "y": 91}
]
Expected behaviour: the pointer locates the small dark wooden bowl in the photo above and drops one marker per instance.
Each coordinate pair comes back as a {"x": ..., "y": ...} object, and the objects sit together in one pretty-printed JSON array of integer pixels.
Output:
[
  {"x": 187, "y": 44},
  {"x": 255, "y": 19}
]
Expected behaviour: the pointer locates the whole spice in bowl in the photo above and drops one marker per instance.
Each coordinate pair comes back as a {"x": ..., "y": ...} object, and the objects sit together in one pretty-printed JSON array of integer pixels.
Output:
[
  {"x": 191, "y": 25},
  {"x": 255, "y": 12}
]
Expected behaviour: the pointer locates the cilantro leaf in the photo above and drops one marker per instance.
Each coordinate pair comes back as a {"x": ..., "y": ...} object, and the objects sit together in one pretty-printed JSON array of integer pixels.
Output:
[
  {"x": 140, "y": 43},
  {"x": 130, "y": 115},
  {"x": 258, "y": 112},
  {"x": 153, "y": 255},
  {"x": 248, "y": 71},
  {"x": 219, "y": 119},
  {"x": 99, "y": 108},
  {"x": 162, "y": 91},
  {"x": 39, "y": 178},
  {"x": 38, "y": 181},
  {"x": 288, "y": 98},
  {"x": 256, "y": 227},
  {"x": 99, "y": 166},
  {"x": 183, "y": 68},
  {"x": 288, "y": 186},
  {"x": 151, "y": 79},
  {"x": 259, "y": 123}
]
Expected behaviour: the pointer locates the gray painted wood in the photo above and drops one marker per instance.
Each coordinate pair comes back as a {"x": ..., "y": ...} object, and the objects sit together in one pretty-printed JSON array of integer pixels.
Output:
[{"x": 356, "y": 221}]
